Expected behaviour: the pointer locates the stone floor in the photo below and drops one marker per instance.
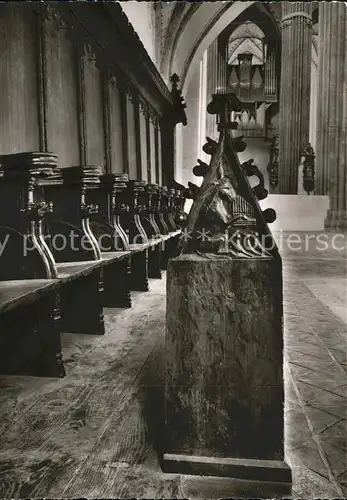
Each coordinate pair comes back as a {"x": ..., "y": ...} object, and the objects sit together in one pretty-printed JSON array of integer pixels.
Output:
[
  {"x": 315, "y": 370},
  {"x": 93, "y": 433}
]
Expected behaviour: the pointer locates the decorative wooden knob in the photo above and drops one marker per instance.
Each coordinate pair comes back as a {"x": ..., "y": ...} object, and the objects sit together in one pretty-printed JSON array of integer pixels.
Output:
[
  {"x": 260, "y": 192},
  {"x": 210, "y": 146},
  {"x": 239, "y": 144},
  {"x": 201, "y": 169},
  {"x": 269, "y": 215}
]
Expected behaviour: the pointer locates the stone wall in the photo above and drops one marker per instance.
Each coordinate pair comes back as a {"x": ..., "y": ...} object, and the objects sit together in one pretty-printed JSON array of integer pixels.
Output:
[
  {"x": 142, "y": 17},
  {"x": 191, "y": 149},
  {"x": 314, "y": 89}
]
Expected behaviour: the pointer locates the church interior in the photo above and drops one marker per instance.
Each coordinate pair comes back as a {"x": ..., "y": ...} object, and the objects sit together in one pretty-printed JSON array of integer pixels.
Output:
[{"x": 172, "y": 249}]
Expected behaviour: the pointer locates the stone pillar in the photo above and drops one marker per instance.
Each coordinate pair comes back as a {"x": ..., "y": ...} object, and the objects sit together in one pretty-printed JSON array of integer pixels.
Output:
[
  {"x": 295, "y": 91},
  {"x": 212, "y": 53},
  {"x": 202, "y": 109},
  {"x": 331, "y": 149},
  {"x": 224, "y": 381},
  {"x": 314, "y": 94}
]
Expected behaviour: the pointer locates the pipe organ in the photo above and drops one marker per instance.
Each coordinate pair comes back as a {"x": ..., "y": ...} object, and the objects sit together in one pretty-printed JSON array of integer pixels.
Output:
[{"x": 254, "y": 82}]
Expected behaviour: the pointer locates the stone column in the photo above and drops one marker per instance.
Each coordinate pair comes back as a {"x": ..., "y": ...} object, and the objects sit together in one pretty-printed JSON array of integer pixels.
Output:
[
  {"x": 331, "y": 149},
  {"x": 295, "y": 91},
  {"x": 212, "y": 62}
]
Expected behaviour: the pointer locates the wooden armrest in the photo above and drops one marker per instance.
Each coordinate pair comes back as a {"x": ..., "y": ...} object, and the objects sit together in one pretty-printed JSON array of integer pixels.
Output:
[
  {"x": 139, "y": 248},
  {"x": 109, "y": 257},
  {"x": 68, "y": 271}
]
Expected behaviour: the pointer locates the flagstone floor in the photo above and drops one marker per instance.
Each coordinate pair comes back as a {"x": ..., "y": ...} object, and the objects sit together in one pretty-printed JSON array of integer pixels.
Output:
[
  {"x": 315, "y": 371},
  {"x": 92, "y": 434}
]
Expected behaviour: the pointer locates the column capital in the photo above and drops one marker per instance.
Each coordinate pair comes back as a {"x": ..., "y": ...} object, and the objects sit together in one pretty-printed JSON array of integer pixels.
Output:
[
  {"x": 296, "y": 14},
  {"x": 288, "y": 18}
]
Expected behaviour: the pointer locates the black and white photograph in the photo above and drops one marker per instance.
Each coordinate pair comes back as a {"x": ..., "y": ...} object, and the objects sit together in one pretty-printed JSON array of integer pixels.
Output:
[{"x": 173, "y": 257}]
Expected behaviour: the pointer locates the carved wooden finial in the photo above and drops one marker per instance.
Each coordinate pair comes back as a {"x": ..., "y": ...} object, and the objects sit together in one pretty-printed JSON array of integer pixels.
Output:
[
  {"x": 179, "y": 105},
  {"x": 201, "y": 169},
  {"x": 174, "y": 80},
  {"x": 222, "y": 105},
  {"x": 225, "y": 216}
]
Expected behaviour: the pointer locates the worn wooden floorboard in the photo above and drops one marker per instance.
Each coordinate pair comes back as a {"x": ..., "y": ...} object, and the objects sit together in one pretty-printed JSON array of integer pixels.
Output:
[{"x": 123, "y": 462}]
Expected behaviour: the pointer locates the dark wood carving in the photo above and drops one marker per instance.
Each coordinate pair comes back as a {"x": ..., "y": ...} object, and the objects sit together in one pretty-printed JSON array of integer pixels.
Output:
[
  {"x": 23, "y": 210},
  {"x": 111, "y": 236},
  {"x": 71, "y": 240},
  {"x": 308, "y": 170},
  {"x": 179, "y": 106},
  {"x": 106, "y": 222},
  {"x": 273, "y": 163},
  {"x": 180, "y": 195},
  {"x": 162, "y": 210},
  {"x": 30, "y": 328},
  {"x": 147, "y": 200},
  {"x": 70, "y": 222},
  {"x": 170, "y": 211},
  {"x": 229, "y": 275},
  {"x": 157, "y": 204},
  {"x": 146, "y": 207},
  {"x": 130, "y": 219},
  {"x": 225, "y": 216},
  {"x": 147, "y": 212},
  {"x": 30, "y": 331}
]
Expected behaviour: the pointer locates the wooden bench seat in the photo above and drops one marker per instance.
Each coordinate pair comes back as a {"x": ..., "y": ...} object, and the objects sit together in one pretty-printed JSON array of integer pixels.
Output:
[
  {"x": 85, "y": 278},
  {"x": 17, "y": 292},
  {"x": 34, "y": 312}
]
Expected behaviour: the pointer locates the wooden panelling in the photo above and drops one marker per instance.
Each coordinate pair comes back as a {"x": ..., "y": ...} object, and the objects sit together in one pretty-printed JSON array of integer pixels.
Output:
[
  {"x": 160, "y": 159},
  {"x": 152, "y": 133},
  {"x": 143, "y": 147},
  {"x": 106, "y": 123},
  {"x": 124, "y": 118},
  {"x": 95, "y": 139},
  {"x": 138, "y": 137},
  {"x": 157, "y": 161},
  {"x": 81, "y": 98},
  {"x": 19, "y": 129},
  {"x": 116, "y": 135},
  {"x": 131, "y": 133},
  {"x": 61, "y": 90}
]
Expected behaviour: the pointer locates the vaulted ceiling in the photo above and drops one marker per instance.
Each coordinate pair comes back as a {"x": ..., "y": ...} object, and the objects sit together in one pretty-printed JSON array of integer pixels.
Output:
[{"x": 247, "y": 38}]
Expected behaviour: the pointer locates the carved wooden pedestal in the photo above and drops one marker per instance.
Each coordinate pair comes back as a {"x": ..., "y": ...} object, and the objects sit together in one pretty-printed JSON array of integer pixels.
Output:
[{"x": 224, "y": 380}]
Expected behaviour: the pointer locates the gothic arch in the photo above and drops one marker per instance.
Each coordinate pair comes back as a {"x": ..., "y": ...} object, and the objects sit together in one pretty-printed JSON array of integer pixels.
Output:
[
  {"x": 191, "y": 30},
  {"x": 180, "y": 16}
]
